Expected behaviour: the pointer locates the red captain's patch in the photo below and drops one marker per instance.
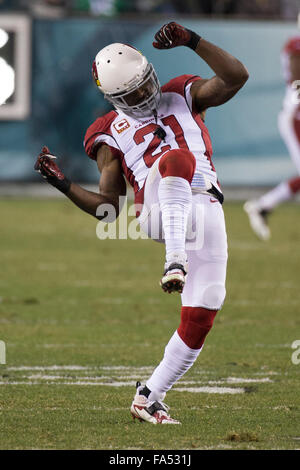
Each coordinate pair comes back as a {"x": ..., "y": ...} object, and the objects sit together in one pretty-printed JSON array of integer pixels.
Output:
[{"x": 121, "y": 126}]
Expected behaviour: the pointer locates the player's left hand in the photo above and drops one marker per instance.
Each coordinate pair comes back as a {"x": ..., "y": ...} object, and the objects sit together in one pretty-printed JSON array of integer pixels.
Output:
[{"x": 172, "y": 35}]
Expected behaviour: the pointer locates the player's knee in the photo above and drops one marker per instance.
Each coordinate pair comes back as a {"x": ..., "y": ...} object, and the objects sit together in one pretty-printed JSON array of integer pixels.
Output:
[
  {"x": 213, "y": 296},
  {"x": 196, "y": 322},
  {"x": 178, "y": 162}
]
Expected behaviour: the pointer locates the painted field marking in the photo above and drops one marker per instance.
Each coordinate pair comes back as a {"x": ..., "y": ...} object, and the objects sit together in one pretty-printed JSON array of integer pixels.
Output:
[
  {"x": 76, "y": 367},
  {"x": 132, "y": 379},
  {"x": 2, "y": 352},
  {"x": 49, "y": 368},
  {"x": 220, "y": 390},
  {"x": 237, "y": 380},
  {"x": 126, "y": 377}
]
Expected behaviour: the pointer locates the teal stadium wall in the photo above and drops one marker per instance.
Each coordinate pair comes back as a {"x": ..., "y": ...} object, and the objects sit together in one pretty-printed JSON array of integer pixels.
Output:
[{"x": 247, "y": 147}]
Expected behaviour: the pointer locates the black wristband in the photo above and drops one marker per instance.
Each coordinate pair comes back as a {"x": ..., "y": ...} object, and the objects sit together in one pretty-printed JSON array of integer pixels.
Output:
[
  {"x": 61, "y": 185},
  {"x": 193, "y": 42}
]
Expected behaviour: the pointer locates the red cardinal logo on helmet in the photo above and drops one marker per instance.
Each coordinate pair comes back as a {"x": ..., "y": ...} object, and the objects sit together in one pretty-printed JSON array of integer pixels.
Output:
[{"x": 95, "y": 74}]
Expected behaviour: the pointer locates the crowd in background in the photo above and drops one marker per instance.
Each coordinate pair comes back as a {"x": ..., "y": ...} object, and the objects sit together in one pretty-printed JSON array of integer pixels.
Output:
[{"x": 273, "y": 9}]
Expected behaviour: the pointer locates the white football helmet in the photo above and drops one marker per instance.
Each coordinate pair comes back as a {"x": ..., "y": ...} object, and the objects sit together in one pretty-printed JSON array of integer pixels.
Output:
[{"x": 127, "y": 80}]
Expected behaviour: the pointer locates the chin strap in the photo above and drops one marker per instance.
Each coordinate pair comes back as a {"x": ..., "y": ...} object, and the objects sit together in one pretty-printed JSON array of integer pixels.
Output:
[{"x": 159, "y": 131}]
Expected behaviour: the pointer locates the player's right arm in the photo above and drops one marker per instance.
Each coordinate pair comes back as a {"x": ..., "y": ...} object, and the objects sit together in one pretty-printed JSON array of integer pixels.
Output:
[
  {"x": 230, "y": 77},
  {"x": 111, "y": 184},
  {"x": 230, "y": 73}
]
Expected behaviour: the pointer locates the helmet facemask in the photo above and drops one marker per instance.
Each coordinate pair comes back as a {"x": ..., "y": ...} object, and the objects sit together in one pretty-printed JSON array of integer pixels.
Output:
[{"x": 141, "y": 97}]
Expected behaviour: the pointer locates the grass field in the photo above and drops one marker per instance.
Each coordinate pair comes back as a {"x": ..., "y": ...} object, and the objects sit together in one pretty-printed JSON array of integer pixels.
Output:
[{"x": 83, "y": 319}]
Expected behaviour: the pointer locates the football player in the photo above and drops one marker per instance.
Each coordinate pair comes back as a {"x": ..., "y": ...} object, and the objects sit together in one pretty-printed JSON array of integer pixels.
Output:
[
  {"x": 156, "y": 138},
  {"x": 289, "y": 129}
]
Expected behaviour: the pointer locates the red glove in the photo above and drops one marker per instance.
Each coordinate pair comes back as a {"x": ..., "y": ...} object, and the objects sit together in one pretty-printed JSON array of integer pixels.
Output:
[
  {"x": 49, "y": 170},
  {"x": 173, "y": 35}
]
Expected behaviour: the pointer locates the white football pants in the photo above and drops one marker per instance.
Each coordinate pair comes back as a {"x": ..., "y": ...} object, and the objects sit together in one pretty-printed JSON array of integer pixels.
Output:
[{"x": 206, "y": 243}]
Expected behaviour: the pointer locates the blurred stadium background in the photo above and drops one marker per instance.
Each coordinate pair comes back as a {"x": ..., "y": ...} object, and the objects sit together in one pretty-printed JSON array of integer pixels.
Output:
[{"x": 50, "y": 47}]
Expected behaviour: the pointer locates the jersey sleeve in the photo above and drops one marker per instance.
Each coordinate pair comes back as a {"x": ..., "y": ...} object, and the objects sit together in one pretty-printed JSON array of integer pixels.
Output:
[
  {"x": 292, "y": 46},
  {"x": 179, "y": 84},
  {"x": 182, "y": 86},
  {"x": 99, "y": 133}
]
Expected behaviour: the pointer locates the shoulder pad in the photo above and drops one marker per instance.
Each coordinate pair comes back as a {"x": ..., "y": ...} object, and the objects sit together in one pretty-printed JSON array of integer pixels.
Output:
[
  {"x": 100, "y": 126},
  {"x": 178, "y": 84}
]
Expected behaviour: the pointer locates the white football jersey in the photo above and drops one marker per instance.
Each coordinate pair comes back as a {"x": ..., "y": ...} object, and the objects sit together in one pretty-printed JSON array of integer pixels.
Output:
[{"x": 133, "y": 140}]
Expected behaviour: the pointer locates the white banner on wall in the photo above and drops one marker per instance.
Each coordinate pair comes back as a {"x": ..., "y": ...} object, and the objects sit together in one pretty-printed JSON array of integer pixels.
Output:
[{"x": 15, "y": 66}]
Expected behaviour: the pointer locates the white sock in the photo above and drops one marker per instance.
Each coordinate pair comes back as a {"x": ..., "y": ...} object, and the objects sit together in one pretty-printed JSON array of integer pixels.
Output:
[
  {"x": 282, "y": 192},
  {"x": 175, "y": 201},
  {"x": 177, "y": 360}
]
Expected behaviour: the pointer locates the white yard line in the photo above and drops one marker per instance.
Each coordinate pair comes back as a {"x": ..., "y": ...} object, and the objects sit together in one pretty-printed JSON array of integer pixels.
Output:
[
  {"x": 230, "y": 380},
  {"x": 76, "y": 367},
  {"x": 77, "y": 382},
  {"x": 96, "y": 378},
  {"x": 126, "y": 377},
  {"x": 237, "y": 380},
  {"x": 221, "y": 390},
  {"x": 50, "y": 368},
  {"x": 275, "y": 346},
  {"x": 130, "y": 378}
]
